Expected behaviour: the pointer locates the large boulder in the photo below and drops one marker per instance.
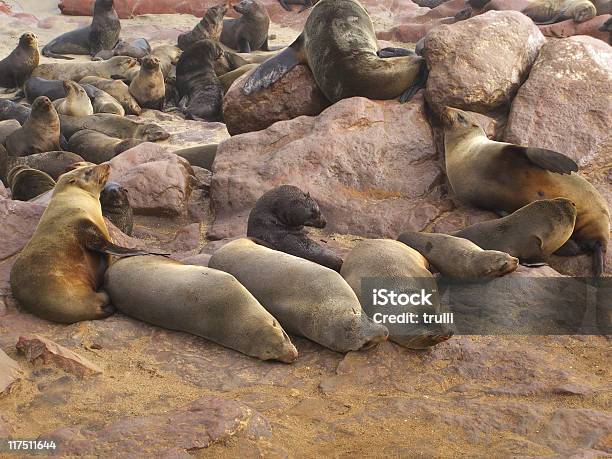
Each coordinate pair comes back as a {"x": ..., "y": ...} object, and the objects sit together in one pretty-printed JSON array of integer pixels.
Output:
[
  {"x": 293, "y": 95},
  {"x": 480, "y": 63},
  {"x": 371, "y": 165},
  {"x": 158, "y": 182}
]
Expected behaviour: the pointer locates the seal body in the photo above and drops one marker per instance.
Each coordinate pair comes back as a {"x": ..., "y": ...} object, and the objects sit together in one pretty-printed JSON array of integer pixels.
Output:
[
  {"x": 505, "y": 177},
  {"x": 117, "y": 89},
  {"x": 116, "y": 207},
  {"x": 40, "y": 133},
  {"x": 340, "y": 47},
  {"x": 53, "y": 163},
  {"x": 307, "y": 299},
  {"x": 199, "y": 88},
  {"x": 103, "y": 102},
  {"x": 97, "y": 148},
  {"x": 76, "y": 102},
  {"x": 197, "y": 300},
  {"x": 101, "y": 34},
  {"x": 17, "y": 67},
  {"x": 27, "y": 183},
  {"x": 250, "y": 31},
  {"x": 149, "y": 87},
  {"x": 113, "y": 126},
  {"x": 117, "y": 66},
  {"x": 10, "y": 110},
  {"x": 459, "y": 258},
  {"x": 136, "y": 48},
  {"x": 278, "y": 220},
  {"x": 532, "y": 233},
  {"x": 209, "y": 28},
  {"x": 35, "y": 87},
  {"x": 551, "y": 11},
  {"x": 406, "y": 269}
]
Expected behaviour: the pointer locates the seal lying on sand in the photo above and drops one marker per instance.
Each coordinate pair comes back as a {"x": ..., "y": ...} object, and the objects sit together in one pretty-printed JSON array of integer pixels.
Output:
[
  {"x": 339, "y": 46},
  {"x": 17, "y": 67},
  {"x": 278, "y": 221}
]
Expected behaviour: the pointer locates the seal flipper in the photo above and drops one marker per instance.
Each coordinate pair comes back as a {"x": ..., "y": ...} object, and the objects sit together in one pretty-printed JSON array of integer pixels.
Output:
[
  {"x": 92, "y": 238},
  {"x": 418, "y": 84},
  {"x": 599, "y": 259},
  {"x": 274, "y": 68},
  {"x": 546, "y": 159},
  {"x": 394, "y": 52},
  {"x": 47, "y": 53}
]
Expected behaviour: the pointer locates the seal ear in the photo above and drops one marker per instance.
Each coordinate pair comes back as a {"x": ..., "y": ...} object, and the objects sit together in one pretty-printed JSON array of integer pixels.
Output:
[{"x": 546, "y": 159}]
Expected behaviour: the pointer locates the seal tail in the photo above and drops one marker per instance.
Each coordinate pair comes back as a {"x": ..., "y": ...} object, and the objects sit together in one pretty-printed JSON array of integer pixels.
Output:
[
  {"x": 274, "y": 68},
  {"x": 418, "y": 84},
  {"x": 47, "y": 53}
]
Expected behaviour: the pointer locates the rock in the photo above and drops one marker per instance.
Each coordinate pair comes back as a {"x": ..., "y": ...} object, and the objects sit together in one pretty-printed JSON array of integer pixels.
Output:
[
  {"x": 371, "y": 166},
  {"x": 158, "y": 182},
  {"x": 172, "y": 434},
  {"x": 43, "y": 352},
  {"x": 480, "y": 63},
  {"x": 201, "y": 259},
  {"x": 413, "y": 30},
  {"x": 4, "y": 193},
  {"x": 565, "y": 103},
  {"x": 569, "y": 28},
  {"x": 19, "y": 220},
  {"x": 9, "y": 373},
  {"x": 293, "y": 95}
]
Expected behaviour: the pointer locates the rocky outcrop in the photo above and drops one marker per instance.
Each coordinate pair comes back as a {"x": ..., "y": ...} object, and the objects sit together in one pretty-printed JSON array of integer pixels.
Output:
[{"x": 10, "y": 373}]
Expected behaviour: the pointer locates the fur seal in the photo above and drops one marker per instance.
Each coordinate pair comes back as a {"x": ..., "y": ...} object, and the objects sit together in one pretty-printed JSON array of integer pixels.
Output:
[
  {"x": 40, "y": 133},
  {"x": 209, "y": 28},
  {"x": 459, "y": 258},
  {"x": 53, "y": 163},
  {"x": 103, "y": 102},
  {"x": 116, "y": 207},
  {"x": 117, "y": 89},
  {"x": 27, "y": 183},
  {"x": 199, "y": 88},
  {"x": 339, "y": 46},
  {"x": 307, "y": 299},
  {"x": 168, "y": 56},
  {"x": 102, "y": 33},
  {"x": 505, "y": 177},
  {"x": 76, "y": 102},
  {"x": 551, "y": 11},
  {"x": 149, "y": 87},
  {"x": 201, "y": 156},
  {"x": 250, "y": 31},
  {"x": 35, "y": 87},
  {"x": 532, "y": 233},
  {"x": 113, "y": 126},
  {"x": 10, "y": 110},
  {"x": 407, "y": 270},
  {"x": 118, "y": 66},
  {"x": 227, "y": 79},
  {"x": 197, "y": 300},
  {"x": 66, "y": 257},
  {"x": 136, "y": 48},
  {"x": 278, "y": 221},
  {"x": 17, "y": 67},
  {"x": 95, "y": 147}
]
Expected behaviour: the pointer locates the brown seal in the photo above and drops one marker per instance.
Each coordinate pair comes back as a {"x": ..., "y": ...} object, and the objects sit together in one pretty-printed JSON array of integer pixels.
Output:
[
  {"x": 505, "y": 177},
  {"x": 40, "y": 133},
  {"x": 17, "y": 67},
  {"x": 209, "y": 28},
  {"x": 250, "y": 31},
  {"x": 97, "y": 148},
  {"x": 149, "y": 87},
  {"x": 116, "y": 207},
  {"x": 117, "y": 89},
  {"x": 75, "y": 103},
  {"x": 551, "y": 11},
  {"x": 66, "y": 257},
  {"x": 27, "y": 183},
  {"x": 118, "y": 66},
  {"x": 113, "y": 126}
]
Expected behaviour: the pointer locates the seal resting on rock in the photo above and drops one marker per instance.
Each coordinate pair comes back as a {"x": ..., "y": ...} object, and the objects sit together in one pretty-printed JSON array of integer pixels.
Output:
[
  {"x": 278, "y": 221},
  {"x": 209, "y": 28},
  {"x": 40, "y": 133},
  {"x": 406, "y": 270},
  {"x": 118, "y": 66},
  {"x": 459, "y": 258},
  {"x": 551, "y": 11},
  {"x": 76, "y": 102},
  {"x": 116, "y": 207},
  {"x": 113, "y": 126},
  {"x": 308, "y": 299},
  {"x": 250, "y": 31},
  {"x": 149, "y": 87},
  {"x": 197, "y": 300},
  {"x": 17, "y": 67},
  {"x": 97, "y": 147},
  {"x": 117, "y": 89},
  {"x": 27, "y": 183},
  {"x": 505, "y": 177},
  {"x": 339, "y": 46},
  {"x": 102, "y": 33},
  {"x": 58, "y": 275},
  {"x": 53, "y": 163}
]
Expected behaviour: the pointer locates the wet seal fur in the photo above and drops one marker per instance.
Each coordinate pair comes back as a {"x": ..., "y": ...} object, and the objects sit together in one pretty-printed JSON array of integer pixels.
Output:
[
  {"x": 66, "y": 257},
  {"x": 505, "y": 177},
  {"x": 308, "y": 299},
  {"x": 339, "y": 46},
  {"x": 278, "y": 219},
  {"x": 250, "y": 31},
  {"x": 199, "y": 88},
  {"x": 17, "y": 67},
  {"x": 209, "y": 28},
  {"x": 459, "y": 258},
  {"x": 76, "y": 102},
  {"x": 149, "y": 87},
  {"x": 392, "y": 260},
  {"x": 101, "y": 34},
  {"x": 40, "y": 133},
  {"x": 116, "y": 207},
  {"x": 532, "y": 233},
  {"x": 113, "y": 126},
  {"x": 97, "y": 147},
  {"x": 197, "y": 300}
]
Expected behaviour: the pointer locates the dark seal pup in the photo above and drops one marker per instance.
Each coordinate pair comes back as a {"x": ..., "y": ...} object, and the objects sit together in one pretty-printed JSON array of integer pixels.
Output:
[
  {"x": 339, "y": 46},
  {"x": 278, "y": 220},
  {"x": 209, "y": 28},
  {"x": 101, "y": 34},
  {"x": 116, "y": 207},
  {"x": 17, "y": 67},
  {"x": 199, "y": 88},
  {"x": 250, "y": 31}
]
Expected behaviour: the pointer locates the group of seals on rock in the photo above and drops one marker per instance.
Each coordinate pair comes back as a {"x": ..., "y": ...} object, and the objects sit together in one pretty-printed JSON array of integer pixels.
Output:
[{"x": 17, "y": 67}]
